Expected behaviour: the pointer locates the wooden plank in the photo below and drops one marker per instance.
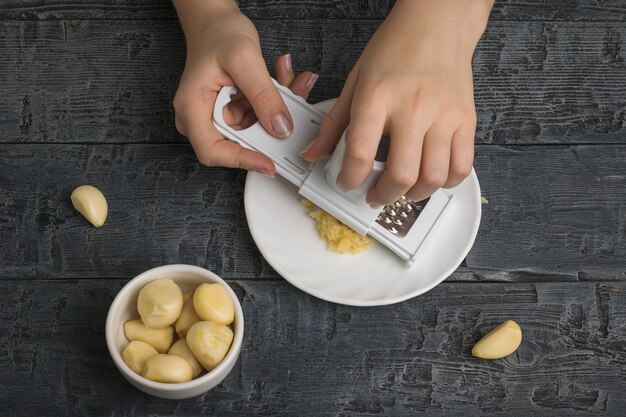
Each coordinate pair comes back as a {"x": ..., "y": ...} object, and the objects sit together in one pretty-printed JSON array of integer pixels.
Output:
[
  {"x": 552, "y": 211},
  {"x": 542, "y": 10},
  {"x": 113, "y": 81},
  {"x": 305, "y": 357},
  {"x": 558, "y": 211}
]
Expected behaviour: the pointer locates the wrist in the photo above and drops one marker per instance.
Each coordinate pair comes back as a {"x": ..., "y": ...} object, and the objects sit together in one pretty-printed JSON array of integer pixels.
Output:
[
  {"x": 202, "y": 8},
  {"x": 197, "y": 15},
  {"x": 448, "y": 26}
]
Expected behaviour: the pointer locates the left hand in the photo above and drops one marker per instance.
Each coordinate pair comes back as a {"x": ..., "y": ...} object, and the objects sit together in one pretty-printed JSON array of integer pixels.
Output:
[{"x": 413, "y": 82}]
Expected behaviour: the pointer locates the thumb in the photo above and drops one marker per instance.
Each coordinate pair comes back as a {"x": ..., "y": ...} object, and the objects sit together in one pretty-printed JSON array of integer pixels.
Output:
[{"x": 251, "y": 77}]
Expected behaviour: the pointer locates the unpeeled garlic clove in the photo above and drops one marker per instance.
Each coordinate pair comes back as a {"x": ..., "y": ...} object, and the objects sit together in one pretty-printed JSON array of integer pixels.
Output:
[
  {"x": 499, "y": 342},
  {"x": 90, "y": 202},
  {"x": 167, "y": 368},
  {"x": 160, "y": 303},
  {"x": 212, "y": 302}
]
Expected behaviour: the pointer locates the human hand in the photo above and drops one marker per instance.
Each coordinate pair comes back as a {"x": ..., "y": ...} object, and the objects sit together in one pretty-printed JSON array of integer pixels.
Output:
[
  {"x": 239, "y": 113},
  {"x": 223, "y": 50},
  {"x": 413, "y": 83}
]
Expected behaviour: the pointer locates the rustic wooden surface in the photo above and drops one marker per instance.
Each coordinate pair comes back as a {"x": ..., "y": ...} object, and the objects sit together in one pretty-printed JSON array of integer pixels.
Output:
[
  {"x": 305, "y": 357},
  {"x": 553, "y": 211},
  {"x": 112, "y": 81},
  {"x": 86, "y": 95}
]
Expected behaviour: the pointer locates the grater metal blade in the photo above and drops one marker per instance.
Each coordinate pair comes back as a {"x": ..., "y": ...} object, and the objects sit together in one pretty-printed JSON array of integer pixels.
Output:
[{"x": 399, "y": 217}]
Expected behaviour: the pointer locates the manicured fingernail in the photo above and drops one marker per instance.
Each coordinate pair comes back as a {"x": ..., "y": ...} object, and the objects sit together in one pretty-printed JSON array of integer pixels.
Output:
[
  {"x": 308, "y": 147},
  {"x": 373, "y": 202},
  {"x": 264, "y": 172},
  {"x": 281, "y": 125},
  {"x": 342, "y": 187},
  {"x": 312, "y": 81},
  {"x": 288, "y": 66}
]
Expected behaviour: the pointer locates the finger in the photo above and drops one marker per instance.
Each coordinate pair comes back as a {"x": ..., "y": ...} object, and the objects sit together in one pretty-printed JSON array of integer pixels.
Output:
[
  {"x": 368, "y": 117},
  {"x": 248, "y": 120},
  {"x": 403, "y": 161},
  {"x": 334, "y": 124},
  {"x": 284, "y": 70},
  {"x": 209, "y": 145},
  {"x": 230, "y": 154},
  {"x": 236, "y": 108},
  {"x": 461, "y": 153},
  {"x": 235, "y": 111},
  {"x": 237, "y": 96},
  {"x": 179, "y": 125},
  {"x": 434, "y": 164},
  {"x": 250, "y": 75},
  {"x": 303, "y": 84}
]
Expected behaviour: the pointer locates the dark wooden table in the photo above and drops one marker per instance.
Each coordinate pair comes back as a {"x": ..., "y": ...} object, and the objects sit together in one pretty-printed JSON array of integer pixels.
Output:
[{"x": 85, "y": 97}]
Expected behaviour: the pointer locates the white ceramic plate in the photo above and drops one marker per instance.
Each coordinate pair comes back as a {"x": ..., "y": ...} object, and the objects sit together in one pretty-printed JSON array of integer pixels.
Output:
[{"x": 288, "y": 240}]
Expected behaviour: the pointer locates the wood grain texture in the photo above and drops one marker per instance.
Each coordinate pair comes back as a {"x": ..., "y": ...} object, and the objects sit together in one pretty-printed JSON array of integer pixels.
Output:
[
  {"x": 559, "y": 209},
  {"x": 573, "y": 10},
  {"x": 305, "y": 357},
  {"x": 86, "y": 97},
  {"x": 553, "y": 211},
  {"x": 113, "y": 81},
  {"x": 163, "y": 208}
]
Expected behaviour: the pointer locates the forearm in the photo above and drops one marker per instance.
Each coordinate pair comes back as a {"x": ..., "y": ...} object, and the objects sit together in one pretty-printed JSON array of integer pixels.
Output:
[{"x": 194, "y": 15}]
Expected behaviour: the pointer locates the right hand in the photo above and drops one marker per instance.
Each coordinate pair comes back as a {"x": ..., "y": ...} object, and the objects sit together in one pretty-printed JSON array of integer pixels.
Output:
[{"x": 226, "y": 52}]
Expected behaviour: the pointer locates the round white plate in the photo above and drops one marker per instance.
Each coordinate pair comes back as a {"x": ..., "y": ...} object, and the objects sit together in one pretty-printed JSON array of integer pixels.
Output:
[{"x": 288, "y": 240}]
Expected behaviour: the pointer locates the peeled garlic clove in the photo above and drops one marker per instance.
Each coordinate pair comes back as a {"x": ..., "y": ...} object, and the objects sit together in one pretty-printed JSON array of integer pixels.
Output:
[
  {"x": 160, "y": 339},
  {"x": 188, "y": 317},
  {"x": 209, "y": 342},
  {"x": 90, "y": 202},
  {"x": 212, "y": 302},
  {"x": 181, "y": 349},
  {"x": 167, "y": 368},
  {"x": 136, "y": 353},
  {"x": 160, "y": 303},
  {"x": 499, "y": 342},
  {"x": 187, "y": 296}
]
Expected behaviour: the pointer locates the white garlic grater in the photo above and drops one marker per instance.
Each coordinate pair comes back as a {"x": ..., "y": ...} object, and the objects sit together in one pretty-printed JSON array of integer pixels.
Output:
[{"x": 403, "y": 226}]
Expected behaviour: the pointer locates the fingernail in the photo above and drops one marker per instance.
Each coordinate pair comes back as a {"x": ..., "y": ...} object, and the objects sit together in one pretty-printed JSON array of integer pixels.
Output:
[
  {"x": 281, "y": 125},
  {"x": 342, "y": 187},
  {"x": 269, "y": 174},
  {"x": 312, "y": 81},
  {"x": 308, "y": 147},
  {"x": 288, "y": 62},
  {"x": 373, "y": 202}
]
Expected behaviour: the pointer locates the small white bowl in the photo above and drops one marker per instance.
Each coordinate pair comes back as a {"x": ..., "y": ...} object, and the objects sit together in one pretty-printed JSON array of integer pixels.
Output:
[{"x": 124, "y": 308}]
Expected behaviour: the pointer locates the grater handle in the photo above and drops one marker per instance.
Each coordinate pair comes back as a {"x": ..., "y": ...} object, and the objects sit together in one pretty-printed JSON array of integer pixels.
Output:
[
  {"x": 223, "y": 98},
  {"x": 285, "y": 153}
]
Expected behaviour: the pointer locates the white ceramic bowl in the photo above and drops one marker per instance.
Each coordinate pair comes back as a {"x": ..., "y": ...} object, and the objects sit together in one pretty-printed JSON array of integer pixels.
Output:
[{"x": 124, "y": 308}]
